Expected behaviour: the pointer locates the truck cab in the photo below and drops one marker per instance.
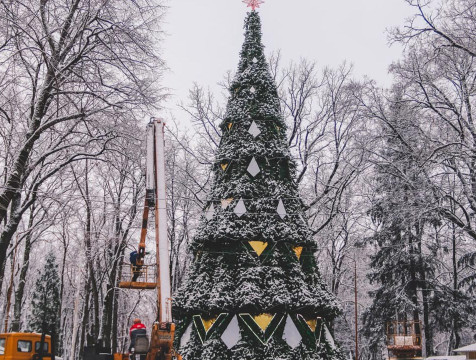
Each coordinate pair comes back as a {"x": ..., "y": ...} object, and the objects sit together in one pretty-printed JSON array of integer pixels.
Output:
[{"x": 23, "y": 346}]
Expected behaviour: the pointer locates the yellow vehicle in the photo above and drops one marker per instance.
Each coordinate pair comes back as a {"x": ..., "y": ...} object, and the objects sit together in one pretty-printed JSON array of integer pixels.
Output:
[{"x": 23, "y": 346}]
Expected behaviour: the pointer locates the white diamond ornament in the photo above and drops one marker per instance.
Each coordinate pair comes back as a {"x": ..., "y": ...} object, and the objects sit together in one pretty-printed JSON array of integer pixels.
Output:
[
  {"x": 186, "y": 335},
  {"x": 329, "y": 338},
  {"x": 254, "y": 130},
  {"x": 210, "y": 212},
  {"x": 255, "y": 60},
  {"x": 253, "y": 168},
  {"x": 240, "y": 208},
  {"x": 281, "y": 209},
  {"x": 291, "y": 333},
  {"x": 253, "y": 90},
  {"x": 231, "y": 335}
]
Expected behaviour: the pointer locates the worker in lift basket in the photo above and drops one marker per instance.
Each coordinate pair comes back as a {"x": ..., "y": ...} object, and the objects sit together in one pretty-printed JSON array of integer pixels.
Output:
[
  {"x": 136, "y": 269},
  {"x": 137, "y": 329}
]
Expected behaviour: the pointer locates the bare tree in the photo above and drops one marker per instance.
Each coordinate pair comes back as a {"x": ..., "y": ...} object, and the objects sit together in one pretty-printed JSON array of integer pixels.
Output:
[
  {"x": 451, "y": 23},
  {"x": 187, "y": 181},
  {"x": 71, "y": 74},
  {"x": 325, "y": 117}
]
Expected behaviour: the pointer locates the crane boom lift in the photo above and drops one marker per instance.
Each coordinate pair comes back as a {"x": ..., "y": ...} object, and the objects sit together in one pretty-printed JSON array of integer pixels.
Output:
[
  {"x": 150, "y": 191},
  {"x": 163, "y": 331},
  {"x": 161, "y": 345},
  {"x": 162, "y": 239}
]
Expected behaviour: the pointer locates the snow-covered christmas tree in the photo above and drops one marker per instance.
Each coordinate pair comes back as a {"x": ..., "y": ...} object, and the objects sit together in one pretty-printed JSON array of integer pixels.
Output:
[{"x": 254, "y": 290}]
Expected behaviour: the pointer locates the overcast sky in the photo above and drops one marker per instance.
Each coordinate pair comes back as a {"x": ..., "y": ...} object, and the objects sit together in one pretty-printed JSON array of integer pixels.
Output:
[{"x": 204, "y": 37}]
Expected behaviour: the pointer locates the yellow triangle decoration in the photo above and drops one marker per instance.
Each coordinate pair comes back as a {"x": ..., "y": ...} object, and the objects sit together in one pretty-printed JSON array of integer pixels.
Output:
[
  {"x": 312, "y": 324},
  {"x": 226, "y": 202},
  {"x": 224, "y": 166},
  {"x": 263, "y": 320},
  {"x": 258, "y": 246},
  {"x": 298, "y": 250},
  {"x": 230, "y": 125},
  {"x": 208, "y": 323}
]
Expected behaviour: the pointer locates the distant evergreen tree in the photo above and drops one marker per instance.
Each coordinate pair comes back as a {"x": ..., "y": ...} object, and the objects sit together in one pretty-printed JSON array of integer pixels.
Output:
[
  {"x": 402, "y": 266},
  {"x": 254, "y": 291},
  {"x": 45, "y": 304}
]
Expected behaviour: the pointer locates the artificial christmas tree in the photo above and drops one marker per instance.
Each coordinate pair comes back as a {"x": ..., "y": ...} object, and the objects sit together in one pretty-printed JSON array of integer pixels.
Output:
[{"x": 254, "y": 291}]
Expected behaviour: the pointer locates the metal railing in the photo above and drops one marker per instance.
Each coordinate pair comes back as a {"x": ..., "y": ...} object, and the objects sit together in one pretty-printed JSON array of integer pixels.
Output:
[
  {"x": 404, "y": 334},
  {"x": 140, "y": 274}
]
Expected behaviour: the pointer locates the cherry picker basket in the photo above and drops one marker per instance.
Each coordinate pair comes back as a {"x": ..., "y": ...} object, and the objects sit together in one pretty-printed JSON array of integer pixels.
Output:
[
  {"x": 139, "y": 277},
  {"x": 404, "y": 339}
]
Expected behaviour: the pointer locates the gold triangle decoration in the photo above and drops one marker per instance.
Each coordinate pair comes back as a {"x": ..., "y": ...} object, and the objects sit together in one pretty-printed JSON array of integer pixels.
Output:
[
  {"x": 224, "y": 166},
  {"x": 312, "y": 323},
  {"x": 263, "y": 320},
  {"x": 208, "y": 323},
  {"x": 207, "y": 326},
  {"x": 226, "y": 202},
  {"x": 262, "y": 326},
  {"x": 230, "y": 125},
  {"x": 258, "y": 246},
  {"x": 298, "y": 251}
]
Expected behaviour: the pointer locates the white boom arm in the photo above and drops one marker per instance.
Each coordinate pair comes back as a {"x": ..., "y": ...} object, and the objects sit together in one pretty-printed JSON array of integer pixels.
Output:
[
  {"x": 150, "y": 166},
  {"x": 162, "y": 240}
]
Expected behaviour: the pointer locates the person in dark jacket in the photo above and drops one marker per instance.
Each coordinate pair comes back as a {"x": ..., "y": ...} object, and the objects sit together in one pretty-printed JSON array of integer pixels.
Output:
[{"x": 136, "y": 269}]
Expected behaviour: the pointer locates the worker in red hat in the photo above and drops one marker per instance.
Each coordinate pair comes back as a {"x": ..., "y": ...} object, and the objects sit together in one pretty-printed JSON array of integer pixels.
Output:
[{"x": 137, "y": 329}]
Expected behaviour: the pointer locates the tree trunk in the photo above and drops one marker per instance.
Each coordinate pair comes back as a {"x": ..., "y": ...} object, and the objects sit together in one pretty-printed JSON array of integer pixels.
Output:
[
  {"x": 114, "y": 320},
  {"x": 455, "y": 338},
  {"x": 426, "y": 319},
  {"x": 74, "y": 336},
  {"x": 413, "y": 278},
  {"x": 108, "y": 307},
  {"x": 428, "y": 349},
  {"x": 23, "y": 273},
  {"x": 107, "y": 314},
  {"x": 61, "y": 293},
  {"x": 2, "y": 275},
  {"x": 9, "y": 231},
  {"x": 90, "y": 258},
  {"x": 84, "y": 321},
  {"x": 53, "y": 345},
  {"x": 95, "y": 294}
]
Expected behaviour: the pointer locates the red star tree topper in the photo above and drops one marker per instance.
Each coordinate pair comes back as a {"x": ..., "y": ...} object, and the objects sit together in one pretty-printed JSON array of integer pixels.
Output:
[{"x": 253, "y": 3}]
